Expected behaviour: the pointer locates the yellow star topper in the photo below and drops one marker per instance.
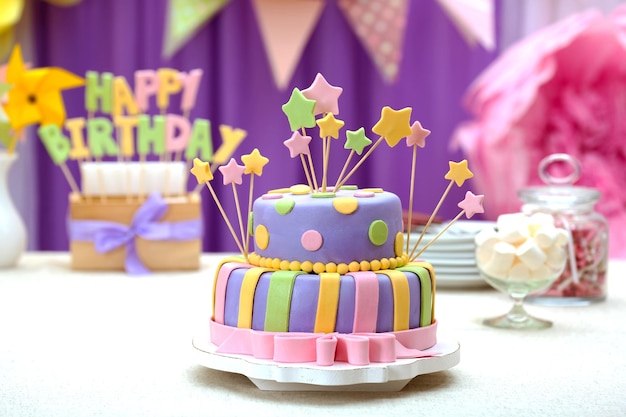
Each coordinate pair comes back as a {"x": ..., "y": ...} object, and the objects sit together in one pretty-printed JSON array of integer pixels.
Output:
[
  {"x": 36, "y": 94},
  {"x": 459, "y": 172},
  {"x": 254, "y": 162},
  {"x": 393, "y": 125},
  {"x": 329, "y": 126},
  {"x": 201, "y": 171}
]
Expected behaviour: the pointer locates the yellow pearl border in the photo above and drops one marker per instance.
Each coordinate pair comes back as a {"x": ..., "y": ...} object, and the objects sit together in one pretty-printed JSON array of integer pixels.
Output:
[{"x": 320, "y": 267}]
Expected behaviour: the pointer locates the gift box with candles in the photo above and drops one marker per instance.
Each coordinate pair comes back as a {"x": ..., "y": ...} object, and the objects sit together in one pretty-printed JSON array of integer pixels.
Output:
[
  {"x": 132, "y": 209},
  {"x": 137, "y": 235}
]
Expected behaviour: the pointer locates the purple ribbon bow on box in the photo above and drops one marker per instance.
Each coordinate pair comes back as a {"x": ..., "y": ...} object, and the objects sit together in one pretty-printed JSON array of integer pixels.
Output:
[{"x": 107, "y": 236}]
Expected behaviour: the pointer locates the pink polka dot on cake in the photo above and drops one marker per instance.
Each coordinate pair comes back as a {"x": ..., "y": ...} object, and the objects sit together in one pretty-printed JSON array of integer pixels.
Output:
[
  {"x": 364, "y": 194},
  {"x": 312, "y": 240}
]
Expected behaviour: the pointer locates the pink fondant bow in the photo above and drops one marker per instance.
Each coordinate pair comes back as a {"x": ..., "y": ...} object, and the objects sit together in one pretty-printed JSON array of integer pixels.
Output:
[{"x": 325, "y": 349}]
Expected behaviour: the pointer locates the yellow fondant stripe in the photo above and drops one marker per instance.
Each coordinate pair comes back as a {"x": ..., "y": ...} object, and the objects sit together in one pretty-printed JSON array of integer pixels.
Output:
[
  {"x": 246, "y": 296},
  {"x": 426, "y": 275},
  {"x": 238, "y": 259},
  {"x": 401, "y": 299},
  {"x": 327, "y": 303}
]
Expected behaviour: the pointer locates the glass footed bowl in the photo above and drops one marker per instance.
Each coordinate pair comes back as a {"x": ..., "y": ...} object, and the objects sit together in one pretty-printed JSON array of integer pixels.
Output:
[{"x": 518, "y": 289}]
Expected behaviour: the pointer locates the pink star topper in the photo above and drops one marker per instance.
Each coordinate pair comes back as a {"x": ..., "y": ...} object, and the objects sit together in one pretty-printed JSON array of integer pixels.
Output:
[
  {"x": 472, "y": 204},
  {"x": 418, "y": 135},
  {"x": 232, "y": 172},
  {"x": 298, "y": 144},
  {"x": 326, "y": 96}
]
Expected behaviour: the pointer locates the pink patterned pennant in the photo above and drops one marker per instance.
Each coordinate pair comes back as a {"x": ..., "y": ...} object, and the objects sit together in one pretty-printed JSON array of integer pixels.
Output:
[{"x": 380, "y": 26}]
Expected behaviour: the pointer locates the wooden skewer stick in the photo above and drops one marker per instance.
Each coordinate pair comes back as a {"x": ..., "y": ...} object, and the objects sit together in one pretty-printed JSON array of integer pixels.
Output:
[
  {"x": 243, "y": 236},
  {"x": 358, "y": 164},
  {"x": 432, "y": 216},
  {"x": 306, "y": 172},
  {"x": 313, "y": 177},
  {"x": 70, "y": 179},
  {"x": 345, "y": 167},
  {"x": 325, "y": 154},
  {"x": 442, "y": 231},
  {"x": 101, "y": 187},
  {"x": 221, "y": 209},
  {"x": 411, "y": 194},
  {"x": 250, "y": 196}
]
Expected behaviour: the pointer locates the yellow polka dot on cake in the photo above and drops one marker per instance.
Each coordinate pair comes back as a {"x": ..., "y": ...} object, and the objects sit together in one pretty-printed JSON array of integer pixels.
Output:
[
  {"x": 346, "y": 205},
  {"x": 261, "y": 237},
  {"x": 398, "y": 244},
  {"x": 299, "y": 189}
]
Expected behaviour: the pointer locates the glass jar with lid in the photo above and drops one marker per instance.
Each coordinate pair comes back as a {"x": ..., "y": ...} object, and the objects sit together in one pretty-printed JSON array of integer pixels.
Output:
[{"x": 573, "y": 208}]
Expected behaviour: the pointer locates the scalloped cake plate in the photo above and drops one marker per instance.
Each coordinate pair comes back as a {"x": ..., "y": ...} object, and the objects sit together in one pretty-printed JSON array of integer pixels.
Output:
[{"x": 272, "y": 376}]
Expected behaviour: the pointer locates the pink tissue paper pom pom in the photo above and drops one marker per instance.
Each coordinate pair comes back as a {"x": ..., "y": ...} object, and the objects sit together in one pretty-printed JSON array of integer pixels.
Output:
[{"x": 560, "y": 90}]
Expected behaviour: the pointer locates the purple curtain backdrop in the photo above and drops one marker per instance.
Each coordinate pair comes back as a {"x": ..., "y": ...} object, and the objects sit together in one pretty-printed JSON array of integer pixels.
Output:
[{"x": 122, "y": 36}]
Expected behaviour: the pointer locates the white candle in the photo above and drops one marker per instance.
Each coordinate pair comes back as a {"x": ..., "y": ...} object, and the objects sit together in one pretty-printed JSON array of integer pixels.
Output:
[{"x": 126, "y": 178}]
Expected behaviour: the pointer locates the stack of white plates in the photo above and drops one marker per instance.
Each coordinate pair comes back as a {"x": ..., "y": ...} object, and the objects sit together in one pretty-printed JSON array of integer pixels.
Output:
[{"x": 452, "y": 254}]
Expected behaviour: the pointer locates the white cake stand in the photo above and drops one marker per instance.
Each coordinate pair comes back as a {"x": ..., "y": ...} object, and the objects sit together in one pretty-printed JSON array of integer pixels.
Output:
[{"x": 271, "y": 376}]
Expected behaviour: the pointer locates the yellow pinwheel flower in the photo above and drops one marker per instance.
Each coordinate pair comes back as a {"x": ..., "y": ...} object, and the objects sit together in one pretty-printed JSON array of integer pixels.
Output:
[{"x": 36, "y": 94}]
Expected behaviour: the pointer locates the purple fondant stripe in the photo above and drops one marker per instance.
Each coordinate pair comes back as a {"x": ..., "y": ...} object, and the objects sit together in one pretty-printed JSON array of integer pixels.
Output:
[
  {"x": 385, "y": 304},
  {"x": 414, "y": 299},
  {"x": 303, "y": 311},
  {"x": 345, "y": 307},
  {"x": 233, "y": 290},
  {"x": 260, "y": 301}
]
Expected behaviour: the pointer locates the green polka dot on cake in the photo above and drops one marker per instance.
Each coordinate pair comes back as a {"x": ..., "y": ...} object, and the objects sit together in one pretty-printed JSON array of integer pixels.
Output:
[
  {"x": 323, "y": 195},
  {"x": 284, "y": 205},
  {"x": 378, "y": 232},
  {"x": 251, "y": 224}
]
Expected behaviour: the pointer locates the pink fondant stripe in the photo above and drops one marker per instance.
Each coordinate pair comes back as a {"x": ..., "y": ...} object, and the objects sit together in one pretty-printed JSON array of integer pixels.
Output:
[
  {"x": 365, "y": 302},
  {"x": 221, "y": 281}
]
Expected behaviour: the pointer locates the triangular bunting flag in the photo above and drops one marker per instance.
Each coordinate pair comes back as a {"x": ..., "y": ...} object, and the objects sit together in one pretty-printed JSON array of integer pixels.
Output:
[
  {"x": 380, "y": 26},
  {"x": 474, "y": 19},
  {"x": 286, "y": 26},
  {"x": 184, "y": 18}
]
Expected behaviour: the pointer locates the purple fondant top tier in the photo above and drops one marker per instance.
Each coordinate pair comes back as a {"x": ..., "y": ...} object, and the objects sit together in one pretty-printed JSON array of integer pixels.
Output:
[{"x": 347, "y": 226}]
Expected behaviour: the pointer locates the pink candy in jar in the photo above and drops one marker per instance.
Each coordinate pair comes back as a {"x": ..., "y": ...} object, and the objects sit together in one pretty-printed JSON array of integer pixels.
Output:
[{"x": 584, "y": 279}]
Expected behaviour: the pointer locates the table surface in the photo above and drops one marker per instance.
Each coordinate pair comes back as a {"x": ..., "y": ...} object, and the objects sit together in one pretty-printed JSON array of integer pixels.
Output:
[{"x": 108, "y": 344}]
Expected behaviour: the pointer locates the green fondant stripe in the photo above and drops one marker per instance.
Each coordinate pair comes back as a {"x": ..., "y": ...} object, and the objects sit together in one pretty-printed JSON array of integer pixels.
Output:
[
  {"x": 426, "y": 301},
  {"x": 279, "y": 300}
]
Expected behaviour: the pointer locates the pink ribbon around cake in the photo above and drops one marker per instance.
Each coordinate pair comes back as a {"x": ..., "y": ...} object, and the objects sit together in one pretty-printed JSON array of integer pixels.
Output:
[
  {"x": 325, "y": 349},
  {"x": 107, "y": 236}
]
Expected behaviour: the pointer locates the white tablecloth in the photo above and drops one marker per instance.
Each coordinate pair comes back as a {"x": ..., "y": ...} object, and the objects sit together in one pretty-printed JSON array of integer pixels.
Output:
[{"x": 107, "y": 344}]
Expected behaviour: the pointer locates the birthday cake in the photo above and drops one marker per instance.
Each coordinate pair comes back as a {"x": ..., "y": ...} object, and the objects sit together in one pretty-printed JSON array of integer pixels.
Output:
[{"x": 329, "y": 279}]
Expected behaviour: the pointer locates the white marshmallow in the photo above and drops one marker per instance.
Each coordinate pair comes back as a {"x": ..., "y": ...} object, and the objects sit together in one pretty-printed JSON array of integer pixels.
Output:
[
  {"x": 546, "y": 236},
  {"x": 510, "y": 221},
  {"x": 542, "y": 272},
  {"x": 519, "y": 272},
  {"x": 556, "y": 256},
  {"x": 515, "y": 235},
  {"x": 500, "y": 261},
  {"x": 483, "y": 255},
  {"x": 538, "y": 220},
  {"x": 531, "y": 254},
  {"x": 486, "y": 239},
  {"x": 562, "y": 237}
]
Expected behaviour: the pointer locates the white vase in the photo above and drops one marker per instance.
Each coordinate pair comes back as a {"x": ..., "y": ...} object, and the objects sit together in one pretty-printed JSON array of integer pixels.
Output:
[{"x": 12, "y": 230}]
